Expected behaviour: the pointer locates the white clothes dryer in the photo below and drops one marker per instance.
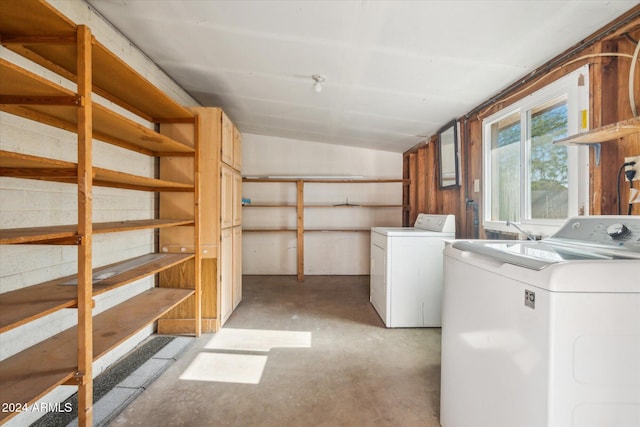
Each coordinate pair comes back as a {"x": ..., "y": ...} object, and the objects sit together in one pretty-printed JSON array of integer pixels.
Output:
[{"x": 406, "y": 271}]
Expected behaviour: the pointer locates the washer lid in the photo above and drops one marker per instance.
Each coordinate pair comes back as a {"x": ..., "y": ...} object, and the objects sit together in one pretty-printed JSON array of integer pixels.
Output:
[{"x": 536, "y": 255}]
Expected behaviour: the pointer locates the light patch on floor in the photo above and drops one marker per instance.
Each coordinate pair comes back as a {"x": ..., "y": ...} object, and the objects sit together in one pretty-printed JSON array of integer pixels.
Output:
[
  {"x": 228, "y": 368},
  {"x": 257, "y": 339}
]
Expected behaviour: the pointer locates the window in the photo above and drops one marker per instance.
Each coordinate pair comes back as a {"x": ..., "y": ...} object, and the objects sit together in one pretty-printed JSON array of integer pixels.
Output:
[{"x": 529, "y": 179}]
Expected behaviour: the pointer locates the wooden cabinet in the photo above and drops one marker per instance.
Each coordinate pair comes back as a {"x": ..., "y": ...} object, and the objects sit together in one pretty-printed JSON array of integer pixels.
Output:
[
  {"x": 227, "y": 139},
  {"x": 219, "y": 192},
  {"x": 226, "y": 274},
  {"x": 237, "y": 266},
  {"x": 227, "y": 202},
  {"x": 237, "y": 149},
  {"x": 236, "y": 199},
  {"x": 67, "y": 358}
]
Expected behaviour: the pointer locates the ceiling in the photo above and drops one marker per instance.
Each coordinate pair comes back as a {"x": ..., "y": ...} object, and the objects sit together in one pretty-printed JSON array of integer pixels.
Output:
[{"x": 396, "y": 71}]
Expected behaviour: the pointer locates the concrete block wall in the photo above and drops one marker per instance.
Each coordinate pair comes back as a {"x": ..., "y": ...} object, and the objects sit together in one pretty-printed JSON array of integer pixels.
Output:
[{"x": 28, "y": 203}]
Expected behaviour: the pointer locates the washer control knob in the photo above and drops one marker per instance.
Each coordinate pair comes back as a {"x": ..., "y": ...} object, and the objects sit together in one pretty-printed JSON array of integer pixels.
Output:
[{"x": 617, "y": 231}]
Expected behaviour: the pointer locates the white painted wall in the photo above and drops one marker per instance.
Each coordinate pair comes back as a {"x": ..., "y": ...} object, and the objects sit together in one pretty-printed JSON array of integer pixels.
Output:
[
  {"x": 325, "y": 252},
  {"x": 26, "y": 203}
]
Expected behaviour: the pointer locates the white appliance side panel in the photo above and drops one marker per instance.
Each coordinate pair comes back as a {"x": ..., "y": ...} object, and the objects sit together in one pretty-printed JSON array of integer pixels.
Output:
[
  {"x": 494, "y": 350},
  {"x": 415, "y": 281},
  {"x": 378, "y": 279},
  {"x": 595, "y": 360}
]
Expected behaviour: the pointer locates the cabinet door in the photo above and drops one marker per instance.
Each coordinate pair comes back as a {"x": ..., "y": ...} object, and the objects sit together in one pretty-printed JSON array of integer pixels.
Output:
[
  {"x": 226, "y": 197},
  {"x": 237, "y": 149},
  {"x": 237, "y": 199},
  {"x": 226, "y": 274},
  {"x": 227, "y": 140},
  {"x": 237, "y": 266}
]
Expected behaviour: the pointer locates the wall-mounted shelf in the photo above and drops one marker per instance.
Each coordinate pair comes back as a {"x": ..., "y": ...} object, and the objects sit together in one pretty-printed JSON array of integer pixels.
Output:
[
  {"x": 604, "y": 133},
  {"x": 25, "y": 305},
  {"x": 28, "y": 95},
  {"x": 30, "y": 374},
  {"x": 67, "y": 234},
  {"x": 17, "y": 165},
  {"x": 301, "y": 206},
  {"x": 40, "y": 33}
]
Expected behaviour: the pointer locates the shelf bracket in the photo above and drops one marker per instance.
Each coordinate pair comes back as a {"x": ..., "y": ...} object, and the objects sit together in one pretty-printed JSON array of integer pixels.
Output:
[
  {"x": 77, "y": 379},
  {"x": 597, "y": 148}
]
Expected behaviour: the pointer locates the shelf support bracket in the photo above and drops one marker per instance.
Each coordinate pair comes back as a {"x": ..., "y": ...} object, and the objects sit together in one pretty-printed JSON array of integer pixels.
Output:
[{"x": 597, "y": 147}]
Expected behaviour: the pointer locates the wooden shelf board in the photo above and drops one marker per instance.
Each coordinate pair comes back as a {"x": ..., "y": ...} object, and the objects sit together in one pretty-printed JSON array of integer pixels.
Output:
[
  {"x": 262, "y": 205},
  {"x": 30, "y": 374},
  {"x": 604, "y": 133},
  {"x": 268, "y": 230},
  {"x": 352, "y": 206},
  {"x": 111, "y": 75},
  {"x": 140, "y": 224},
  {"x": 323, "y": 230},
  {"x": 25, "y": 305},
  {"x": 33, "y": 167},
  {"x": 339, "y": 230},
  {"x": 68, "y": 233},
  {"x": 328, "y": 181},
  {"x": 108, "y": 126}
]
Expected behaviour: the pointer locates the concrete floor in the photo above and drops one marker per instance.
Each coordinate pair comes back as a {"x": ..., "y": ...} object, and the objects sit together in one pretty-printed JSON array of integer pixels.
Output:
[{"x": 356, "y": 372}]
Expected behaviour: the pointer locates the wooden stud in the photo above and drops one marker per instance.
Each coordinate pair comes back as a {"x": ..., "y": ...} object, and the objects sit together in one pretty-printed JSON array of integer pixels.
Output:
[
  {"x": 85, "y": 188},
  {"x": 300, "y": 228},
  {"x": 197, "y": 269}
]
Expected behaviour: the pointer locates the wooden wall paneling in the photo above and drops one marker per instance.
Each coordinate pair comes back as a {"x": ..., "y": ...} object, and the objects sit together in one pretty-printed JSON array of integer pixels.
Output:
[
  {"x": 462, "y": 217},
  {"x": 413, "y": 191},
  {"x": 300, "y": 228},
  {"x": 473, "y": 143},
  {"x": 85, "y": 209},
  {"x": 432, "y": 177},
  {"x": 628, "y": 146},
  {"x": 422, "y": 190},
  {"x": 405, "y": 190},
  {"x": 604, "y": 111}
]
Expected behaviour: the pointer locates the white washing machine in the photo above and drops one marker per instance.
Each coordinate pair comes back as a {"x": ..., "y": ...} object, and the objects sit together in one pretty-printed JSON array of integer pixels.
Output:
[
  {"x": 544, "y": 333},
  {"x": 406, "y": 271}
]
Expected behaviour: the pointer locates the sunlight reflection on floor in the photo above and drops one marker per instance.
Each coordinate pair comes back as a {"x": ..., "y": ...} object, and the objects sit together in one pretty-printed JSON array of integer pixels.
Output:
[{"x": 237, "y": 367}]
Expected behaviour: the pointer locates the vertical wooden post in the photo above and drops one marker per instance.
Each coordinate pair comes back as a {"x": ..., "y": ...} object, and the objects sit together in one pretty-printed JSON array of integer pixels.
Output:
[
  {"x": 300, "y": 228},
  {"x": 196, "y": 240},
  {"x": 413, "y": 188},
  {"x": 85, "y": 230},
  {"x": 405, "y": 190}
]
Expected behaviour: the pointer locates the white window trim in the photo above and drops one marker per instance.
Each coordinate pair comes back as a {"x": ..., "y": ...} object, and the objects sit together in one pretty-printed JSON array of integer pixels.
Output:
[{"x": 578, "y": 156}]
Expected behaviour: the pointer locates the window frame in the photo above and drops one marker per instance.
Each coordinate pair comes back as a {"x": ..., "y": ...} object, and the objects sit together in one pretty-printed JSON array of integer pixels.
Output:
[{"x": 575, "y": 87}]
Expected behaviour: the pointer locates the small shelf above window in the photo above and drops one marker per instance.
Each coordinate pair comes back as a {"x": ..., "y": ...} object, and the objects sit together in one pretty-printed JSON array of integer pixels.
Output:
[{"x": 604, "y": 133}]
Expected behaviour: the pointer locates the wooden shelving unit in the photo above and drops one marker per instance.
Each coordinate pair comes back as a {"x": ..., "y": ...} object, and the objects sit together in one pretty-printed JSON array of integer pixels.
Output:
[
  {"x": 38, "y": 32},
  {"x": 34, "y": 372},
  {"x": 300, "y": 207}
]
